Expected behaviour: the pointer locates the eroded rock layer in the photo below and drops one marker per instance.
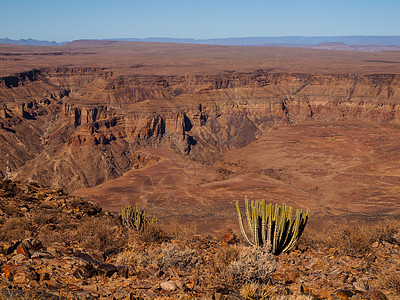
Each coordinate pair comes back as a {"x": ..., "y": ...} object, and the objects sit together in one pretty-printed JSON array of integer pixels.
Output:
[{"x": 78, "y": 127}]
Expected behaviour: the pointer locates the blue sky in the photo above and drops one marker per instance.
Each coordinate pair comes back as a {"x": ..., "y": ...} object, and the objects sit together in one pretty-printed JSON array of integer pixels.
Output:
[{"x": 58, "y": 20}]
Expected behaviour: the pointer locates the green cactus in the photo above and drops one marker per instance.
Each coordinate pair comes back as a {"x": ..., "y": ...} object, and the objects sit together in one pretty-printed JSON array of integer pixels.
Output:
[
  {"x": 135, "y": 217},
  {"x": 272, "y": 227}
]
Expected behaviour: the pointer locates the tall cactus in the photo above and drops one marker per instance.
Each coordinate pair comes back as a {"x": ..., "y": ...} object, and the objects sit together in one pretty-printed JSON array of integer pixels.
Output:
[
  {"x": 271, "y": 226},
  {"x": 135, "y": 217}
]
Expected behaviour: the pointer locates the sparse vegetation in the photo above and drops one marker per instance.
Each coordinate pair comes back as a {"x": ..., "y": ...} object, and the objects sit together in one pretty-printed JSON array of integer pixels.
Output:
[
  {"x": 353, "y": 239},
  {"x": 174, "y": 260}
]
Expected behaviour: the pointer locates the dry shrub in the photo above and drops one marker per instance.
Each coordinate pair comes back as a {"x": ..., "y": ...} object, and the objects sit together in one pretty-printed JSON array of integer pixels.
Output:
[
  {"x": 160, "y": 232},
  {"x": 102, "y": 234},
  {"x": 48, "y": 235},
  {"x": 223, "y": 257},
  {"x": 314, "y": 238},
  {"x": 54, "y": 226},
  {"x": 180, "y": 232},
  {"x": 253, "y": 265},
  {"x": 41, "y": 218},
  {"x": 392, "y": 281},
  {"x": 166, "y": 256},
  {"x": 385, "y": 230},
  {"x": 65, "y": 222},
  {"x": 173, "y": 256},
  {"x": 15, "y": 228},
  {"x": 253, "y": 291},
  {"x": 139, "y": 258},
  {"x": 154, "y": 233},
  {"x": 127, "y": 256},
  {"x": 352, "y": 240},
  {"x": 250, "y": 291}
]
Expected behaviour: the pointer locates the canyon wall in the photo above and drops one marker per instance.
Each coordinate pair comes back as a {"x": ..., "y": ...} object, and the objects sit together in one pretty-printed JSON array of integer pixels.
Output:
[{"x": 77, "y": 127}]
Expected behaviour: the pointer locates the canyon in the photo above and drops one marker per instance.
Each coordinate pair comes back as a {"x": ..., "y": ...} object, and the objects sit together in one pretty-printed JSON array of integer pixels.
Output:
[{"x": 187, "y": 130}]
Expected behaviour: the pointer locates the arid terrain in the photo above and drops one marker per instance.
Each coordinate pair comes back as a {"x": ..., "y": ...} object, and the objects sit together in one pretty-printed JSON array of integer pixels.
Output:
[
  {"x": 186, "y": 131},
  {"x": 58, "y": 246}
]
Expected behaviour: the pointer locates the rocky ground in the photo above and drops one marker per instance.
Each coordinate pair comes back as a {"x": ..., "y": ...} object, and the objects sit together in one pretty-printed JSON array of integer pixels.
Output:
[{"x": 56, "y": 246}]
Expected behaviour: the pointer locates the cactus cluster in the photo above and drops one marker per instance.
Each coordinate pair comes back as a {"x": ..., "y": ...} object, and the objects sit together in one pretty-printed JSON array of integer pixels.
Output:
[
  {"x": 135, "y": 217},
  {"x": 271, "y": 226}
]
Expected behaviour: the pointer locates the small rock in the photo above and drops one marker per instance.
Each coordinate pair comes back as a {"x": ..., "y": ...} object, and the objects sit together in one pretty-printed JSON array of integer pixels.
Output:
[
  {"x": 49, "y": 203},
  {"x": 22, "y": 249},
  {"x": 361, "y": 285},
  {"x": 7, "y": 271},
  {"x": 86, "y": 271},
  {"x": 36, "y": 244},
  {"x": 169, "y": 286},
  {"x": 119, "y": 295},
  {"x": 19, "y": 258},
  {"x": 107, "y": 269},
  {"x": 375, "y": 245},
  {"x": 159, "y": 273},
  {"x": 218, "y": 296},
  {"x": 53, "y": 284},
  {"x": 82, "y": 295},
  {"x": 22, "y": 274},
  {"x": 122, "y": 271},
  {"x": 40, "y": 254},
  {"x": 92, "y": 288},
  {"x": 229, "y": 238},
  {"x": 344, "y": 294},
  {"x": 375, "y": 295},
  {"x": 86, "y": 257},
  {"x": 291, "y": 276},
  {"x": 179, "y": 284}
]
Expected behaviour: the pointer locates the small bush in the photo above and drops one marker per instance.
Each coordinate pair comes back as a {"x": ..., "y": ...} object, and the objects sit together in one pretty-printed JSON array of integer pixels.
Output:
[
  {"x": 223, "y": 257},
  {"x": 42, "y": 218},
  {"x": 127, "y": 257},
  {"x": 172, "y": 256},
  {"x": 15, "y": 229},
  {"x": 253, "y": 265},
  {"x": 250, "y": 291},
  {"x": 155, "y": 233},
  {"x": 160, "y": 232},
  {"x": 392, "y": 281},
  {"x": 101, "y": 234},
  {"x": 181, "y": 232},
  {"x": 352, "y": 240},
  {"x": 385, "y": 230}
]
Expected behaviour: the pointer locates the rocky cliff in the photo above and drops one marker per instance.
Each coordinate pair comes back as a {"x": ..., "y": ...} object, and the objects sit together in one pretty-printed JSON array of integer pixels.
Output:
[{"x": 77, "y": 127}]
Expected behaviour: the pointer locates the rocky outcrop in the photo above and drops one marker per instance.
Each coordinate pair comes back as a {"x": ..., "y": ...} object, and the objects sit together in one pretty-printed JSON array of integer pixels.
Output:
[{"x": 77, "y": 127}]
